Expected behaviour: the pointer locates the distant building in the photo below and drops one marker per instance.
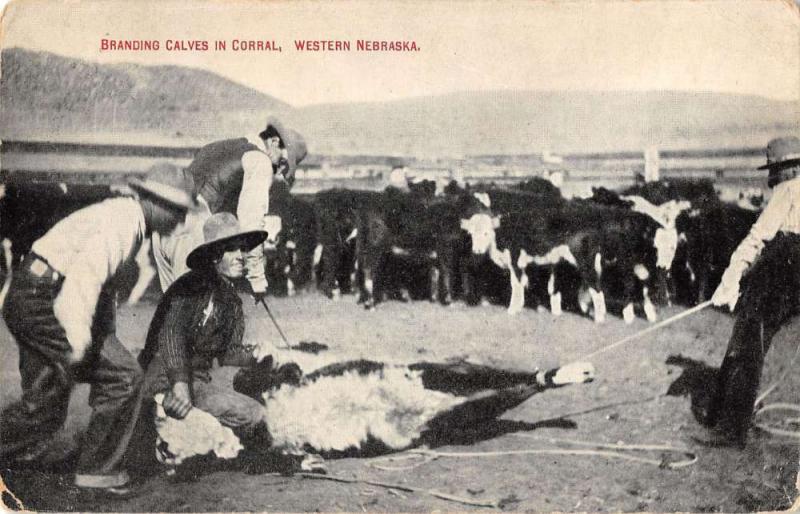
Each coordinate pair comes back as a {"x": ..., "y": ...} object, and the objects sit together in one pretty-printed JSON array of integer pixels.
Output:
[{"x": 551, "y": 158}]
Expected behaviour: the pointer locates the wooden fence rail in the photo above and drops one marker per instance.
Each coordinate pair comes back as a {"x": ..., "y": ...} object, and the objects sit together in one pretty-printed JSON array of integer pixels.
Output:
[{"x": 104, "y": 163}]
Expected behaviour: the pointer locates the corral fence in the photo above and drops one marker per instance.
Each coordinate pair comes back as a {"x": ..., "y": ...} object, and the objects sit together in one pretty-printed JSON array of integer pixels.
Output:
[{"x": 731, "y": 169}]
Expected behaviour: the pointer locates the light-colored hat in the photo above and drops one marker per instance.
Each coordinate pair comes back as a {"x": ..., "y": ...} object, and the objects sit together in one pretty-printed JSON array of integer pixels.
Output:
[
  {"x": 167, "y": 182},
  {"x": 782, "y": 152},
  {"x": 219, "y": 231}
]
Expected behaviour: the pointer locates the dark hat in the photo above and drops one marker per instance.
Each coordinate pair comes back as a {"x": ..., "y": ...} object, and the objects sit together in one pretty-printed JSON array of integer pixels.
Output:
[
  {"x": 782, "y": 152},
  {"x": 219, "y": 231},
  {"x": 167, "y": 182},
  {"x": 290, "y": 139}
]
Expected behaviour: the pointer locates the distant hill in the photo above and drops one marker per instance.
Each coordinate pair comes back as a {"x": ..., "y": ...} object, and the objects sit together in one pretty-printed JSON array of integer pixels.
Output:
[
  {"x": 59, "y": 97},
  {"x": 44, "y": 91},
  {"x": 515, "y": 122}
]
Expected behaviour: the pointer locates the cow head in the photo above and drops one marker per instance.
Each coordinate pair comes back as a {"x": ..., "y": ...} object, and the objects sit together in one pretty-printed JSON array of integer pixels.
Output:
[
  {"x": 481, "y": 229},
  {"x": 484, "y": 199},
  {"x": 751, "y": 198},
  {"x": 671, "y": 210}
]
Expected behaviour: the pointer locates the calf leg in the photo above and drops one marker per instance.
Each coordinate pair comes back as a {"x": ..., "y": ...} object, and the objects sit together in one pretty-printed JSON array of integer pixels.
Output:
[
  {"x": 464, "y": 378},
  {"x": 369, "y": 266},
  {"x": 435, "y": 279},
  {"x": 331, "y": 255},
  {"x": 481, "y": 407},
  {"x": 509, "y": 390},
  {"x": 649, "y": 308},
  {"x": 555, "y": 296}
]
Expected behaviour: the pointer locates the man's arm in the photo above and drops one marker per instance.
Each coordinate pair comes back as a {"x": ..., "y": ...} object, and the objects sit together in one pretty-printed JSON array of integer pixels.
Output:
[
  {"x": 173, "y": 343},
  {"x": 762, "y": 231},
  {"x": 253, "y": 205}
]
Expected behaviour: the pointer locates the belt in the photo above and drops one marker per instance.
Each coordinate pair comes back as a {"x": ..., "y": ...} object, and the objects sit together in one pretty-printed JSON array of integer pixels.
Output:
[{"x": 39, "y": 267}]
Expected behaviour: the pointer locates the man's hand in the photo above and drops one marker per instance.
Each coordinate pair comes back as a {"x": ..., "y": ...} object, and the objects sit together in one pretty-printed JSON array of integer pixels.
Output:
[
  {"x": 727, "y": 293},
  {"x": 258, "y": 296},
  {"x": 178, "y": 401}
]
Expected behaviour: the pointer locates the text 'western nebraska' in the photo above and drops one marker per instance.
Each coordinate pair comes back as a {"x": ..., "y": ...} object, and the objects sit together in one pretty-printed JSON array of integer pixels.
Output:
[{"x": 361, "y": 45}]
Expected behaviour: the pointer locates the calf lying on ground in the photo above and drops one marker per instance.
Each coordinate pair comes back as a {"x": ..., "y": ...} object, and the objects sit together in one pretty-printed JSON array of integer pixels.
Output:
[{"x": 355, "y": 406}]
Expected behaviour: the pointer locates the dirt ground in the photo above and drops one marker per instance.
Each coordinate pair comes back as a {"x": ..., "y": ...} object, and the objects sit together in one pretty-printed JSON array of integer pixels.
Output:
[{"x": 627, "y": 403}]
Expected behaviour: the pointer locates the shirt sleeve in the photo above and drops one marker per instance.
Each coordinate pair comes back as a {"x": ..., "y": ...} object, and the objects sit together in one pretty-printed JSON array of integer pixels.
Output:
[
  {"x": 173, "y": 338},
  {"x": 166, "y": 275},
  {"x": 103, "y": 253},
  {"x": 253, "y": 205},
  {"x": 764, "y": 230}
]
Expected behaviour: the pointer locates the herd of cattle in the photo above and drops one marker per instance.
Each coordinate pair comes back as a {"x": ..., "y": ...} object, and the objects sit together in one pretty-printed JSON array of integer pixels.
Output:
[{"x": 622, "y": 252}]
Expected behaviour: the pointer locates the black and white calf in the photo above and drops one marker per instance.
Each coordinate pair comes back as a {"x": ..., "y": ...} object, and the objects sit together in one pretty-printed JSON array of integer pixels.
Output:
[
  {"x": 291, "y": 244},
  {"x": 590, "y": 253},
  {"x": 423, "y": 236},
  {"x": 337, "y": 212},
  {"x": 374, "y": 407}
]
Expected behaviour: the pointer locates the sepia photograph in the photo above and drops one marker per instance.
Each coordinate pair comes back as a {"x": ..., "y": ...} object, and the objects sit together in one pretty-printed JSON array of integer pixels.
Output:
[{"x": 400, "y": 256}]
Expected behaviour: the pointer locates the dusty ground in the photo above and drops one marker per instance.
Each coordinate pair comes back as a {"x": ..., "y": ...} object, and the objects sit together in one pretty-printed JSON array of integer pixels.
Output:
[{"x": 613, "y": 408}]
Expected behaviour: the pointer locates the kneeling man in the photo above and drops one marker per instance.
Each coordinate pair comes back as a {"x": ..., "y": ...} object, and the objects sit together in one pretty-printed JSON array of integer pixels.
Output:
[{"x": 200, "y": 319}]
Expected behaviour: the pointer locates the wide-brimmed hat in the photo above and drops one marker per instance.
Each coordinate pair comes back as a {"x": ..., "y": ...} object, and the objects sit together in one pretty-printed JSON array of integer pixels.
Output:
[
  {"x": 167, "y": 182},
  {"x": 219, "y": 231},
  {"x": 782, "y": 152},
  {"x": 294, "y": 143}
]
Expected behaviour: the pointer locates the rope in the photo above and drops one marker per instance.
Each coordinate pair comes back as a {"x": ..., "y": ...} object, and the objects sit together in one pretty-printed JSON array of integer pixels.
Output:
[
  {"x": 652, "y": 328},
  {"x": 779, "y": 431},
  {"x": 611, "y": 451},
  {"x": 287, "y": 346},
  {"x": 779, "y": 405},
  {"x": 494, "y": 504},
  {"x": 777, "y": 382}
]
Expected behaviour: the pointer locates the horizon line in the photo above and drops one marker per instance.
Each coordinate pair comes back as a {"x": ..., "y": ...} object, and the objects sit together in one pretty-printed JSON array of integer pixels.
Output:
[{"x": 412, "y": 97}]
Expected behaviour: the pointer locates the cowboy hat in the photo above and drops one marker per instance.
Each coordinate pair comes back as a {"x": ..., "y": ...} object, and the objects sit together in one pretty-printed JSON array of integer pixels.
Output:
[
  {"x": 291, "y": 140},
  {"x": 220, "y": 231},
  {"x": 167, "y": 182},
  {"x": 782, "y": 152}
]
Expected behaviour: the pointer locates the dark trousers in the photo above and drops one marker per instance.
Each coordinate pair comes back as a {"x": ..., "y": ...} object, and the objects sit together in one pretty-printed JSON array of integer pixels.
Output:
[
  {"x": 770, "y": 298},
  {"x": 48, "y": 378}
]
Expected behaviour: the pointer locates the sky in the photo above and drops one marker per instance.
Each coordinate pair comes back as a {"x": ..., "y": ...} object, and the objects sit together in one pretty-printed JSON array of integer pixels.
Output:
[{"x": 735, "y": 46}]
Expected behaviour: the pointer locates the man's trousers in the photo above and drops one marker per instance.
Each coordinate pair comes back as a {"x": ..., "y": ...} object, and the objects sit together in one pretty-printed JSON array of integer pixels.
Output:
[
  {"x": 770, "y": 298},
  {"x": 48, "y": 377}
]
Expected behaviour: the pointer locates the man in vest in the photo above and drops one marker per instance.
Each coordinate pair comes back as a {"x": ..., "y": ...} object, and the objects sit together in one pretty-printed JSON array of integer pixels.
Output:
[
  {"x": 61, "y": 311},
  {"x": 235, "y": 176},
  {"x": 766, "y": 267}
]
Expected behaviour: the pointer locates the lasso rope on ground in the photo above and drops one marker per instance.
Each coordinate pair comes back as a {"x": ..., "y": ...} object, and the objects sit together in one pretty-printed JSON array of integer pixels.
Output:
[
  {"x": 779, "y": 406},
  {"x": 611, "y": 451},
  {"x": 494, "y": 504}
]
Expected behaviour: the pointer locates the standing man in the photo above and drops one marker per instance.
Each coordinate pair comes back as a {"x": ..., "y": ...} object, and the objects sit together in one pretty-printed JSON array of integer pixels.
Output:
[
  {"x": 768, "y": 259},
  {"x": 61, "y": 311},
  {"x": 235, "y": 176}
]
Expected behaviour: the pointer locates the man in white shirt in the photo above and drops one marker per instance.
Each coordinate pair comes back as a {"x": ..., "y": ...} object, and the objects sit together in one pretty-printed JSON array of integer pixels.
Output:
[
  {"x": 766, "y": 268},
  {"x": 61, "y": 309},
  {"x": 235, "y": 176}
]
